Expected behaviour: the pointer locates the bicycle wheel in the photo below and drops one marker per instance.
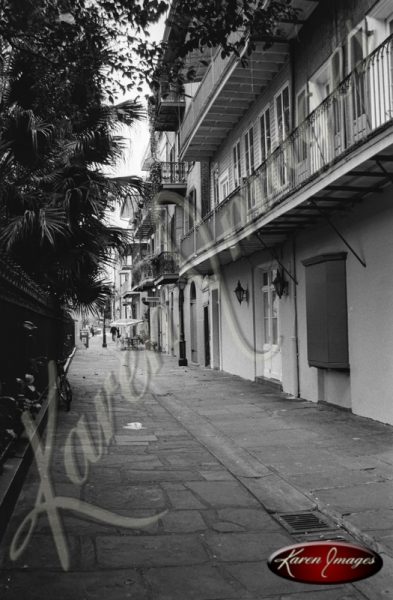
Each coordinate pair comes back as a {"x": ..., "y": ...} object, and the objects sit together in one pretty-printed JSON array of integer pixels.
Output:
[{"x": 65, "y": 393}]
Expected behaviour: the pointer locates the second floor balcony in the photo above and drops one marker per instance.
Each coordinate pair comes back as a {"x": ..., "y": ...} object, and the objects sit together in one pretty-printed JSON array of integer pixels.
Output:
[
  {"x": 339, "y": 154},
  {"x": 170, "y": 105},
  {"x": 166, "y": 268},
  {"x": 143, "y": 223},
  {"x": 172, "y": 178},
  {"x": 143, "y": 274}
]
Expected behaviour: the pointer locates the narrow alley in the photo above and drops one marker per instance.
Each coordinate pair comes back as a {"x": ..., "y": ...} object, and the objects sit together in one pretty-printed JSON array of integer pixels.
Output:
[{"x": 216, "y": 461}]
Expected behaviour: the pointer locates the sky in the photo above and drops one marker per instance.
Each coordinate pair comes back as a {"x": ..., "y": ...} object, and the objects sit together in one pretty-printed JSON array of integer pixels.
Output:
[{"x": 136, "y": 138}]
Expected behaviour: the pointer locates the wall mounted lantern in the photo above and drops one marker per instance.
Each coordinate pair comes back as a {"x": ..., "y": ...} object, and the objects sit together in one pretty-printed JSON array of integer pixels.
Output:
[
  {"x": 241, "y": 293},
  {"x": 280, "y": 284}
]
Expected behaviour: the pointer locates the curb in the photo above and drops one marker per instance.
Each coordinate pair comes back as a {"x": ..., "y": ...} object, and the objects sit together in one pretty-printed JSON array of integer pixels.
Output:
[{"x": 271, "y": 490}]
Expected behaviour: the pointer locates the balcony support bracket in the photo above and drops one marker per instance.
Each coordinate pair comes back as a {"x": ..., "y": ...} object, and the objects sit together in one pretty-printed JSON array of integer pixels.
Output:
[
  {"x": 275, "y": 256},
  {"x": 328, "y": 220},
  {"x": 384, "y": 170}
]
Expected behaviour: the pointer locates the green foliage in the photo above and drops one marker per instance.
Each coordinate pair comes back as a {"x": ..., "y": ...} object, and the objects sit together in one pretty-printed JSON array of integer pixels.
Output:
[{"x": 63, "y": 64}]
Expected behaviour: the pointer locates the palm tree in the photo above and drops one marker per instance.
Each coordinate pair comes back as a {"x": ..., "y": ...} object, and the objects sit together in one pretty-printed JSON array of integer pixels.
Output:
[{"x": 54, "y": 194}]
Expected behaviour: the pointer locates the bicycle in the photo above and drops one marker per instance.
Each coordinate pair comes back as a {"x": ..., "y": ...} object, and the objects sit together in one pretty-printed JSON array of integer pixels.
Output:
[{"x": 63, "y": 387}]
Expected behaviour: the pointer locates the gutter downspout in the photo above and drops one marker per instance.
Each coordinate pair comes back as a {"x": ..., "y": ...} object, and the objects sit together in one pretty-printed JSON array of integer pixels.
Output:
[
  {"x": 254, "y": 341},
  {"x": 295, "y": 339}
]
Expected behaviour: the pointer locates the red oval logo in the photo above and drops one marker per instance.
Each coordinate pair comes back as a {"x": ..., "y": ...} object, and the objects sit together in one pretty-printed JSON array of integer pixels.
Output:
[{"x": 325, "y": 562}]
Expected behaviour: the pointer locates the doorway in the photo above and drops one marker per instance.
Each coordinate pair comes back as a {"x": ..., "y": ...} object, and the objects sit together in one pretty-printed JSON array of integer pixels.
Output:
[
  {"x": 193, "y": 324},
  {"x": 206, "y": 329},
  {"x": 215, "y": 329},
  {"x": 272, "y": 362}
]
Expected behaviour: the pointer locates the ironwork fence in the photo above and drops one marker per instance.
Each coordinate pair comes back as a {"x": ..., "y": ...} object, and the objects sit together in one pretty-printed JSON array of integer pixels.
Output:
[{"x": 33, "y": 330}]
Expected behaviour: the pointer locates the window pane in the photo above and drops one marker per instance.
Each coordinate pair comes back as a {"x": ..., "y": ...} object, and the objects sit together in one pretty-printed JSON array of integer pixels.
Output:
[
  {"x": 251, "y": 134},
  {"x": 268, "y": 134},
  {"x": 274, "y": 332},
  {"x": 265, "y": 305},
  {"x": 266, "y": 335}
]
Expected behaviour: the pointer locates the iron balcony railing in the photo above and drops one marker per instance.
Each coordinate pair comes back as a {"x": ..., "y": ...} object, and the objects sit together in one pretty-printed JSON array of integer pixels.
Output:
[
  {"x": 170, "y": 95},
  {"x": 215, "y": 73},
  {"x": 361, "y": 105},
  {"x": 142, "y": 271},
  {"x": 166, "y": 263},
  {"x": 173, "y": 173}
]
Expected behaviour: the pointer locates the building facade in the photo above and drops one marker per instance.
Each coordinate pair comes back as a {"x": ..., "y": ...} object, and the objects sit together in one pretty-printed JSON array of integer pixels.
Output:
[{"x": 285, "y": 213}]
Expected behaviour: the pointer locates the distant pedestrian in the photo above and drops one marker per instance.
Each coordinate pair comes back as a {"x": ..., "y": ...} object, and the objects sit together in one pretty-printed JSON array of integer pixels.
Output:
[
  {"x": 92, "y": 331},
  {"x": 113, "y": 331}
]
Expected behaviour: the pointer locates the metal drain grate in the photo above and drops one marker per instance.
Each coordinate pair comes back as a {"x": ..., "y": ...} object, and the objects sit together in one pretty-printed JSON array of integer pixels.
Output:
[{"x": 305, "y": 522}]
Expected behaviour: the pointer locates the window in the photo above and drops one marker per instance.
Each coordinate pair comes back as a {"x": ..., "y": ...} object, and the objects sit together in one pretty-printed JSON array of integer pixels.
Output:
[
  {"x": 216, "y": 191},
  {"x": 301, "y": 115},
  {"x": 283, "y": 114},
  {"x": 283, "y": 124},
  {"x": 249, "y": 146},
  {"x": 266, "y": 136},
  {"x": 357, "y": 50},
  {"x": 250, "y": 166},
  {"x": 223, "y": 186},
  {"x": 237, "y": 165},
  {"x": 190, "y": 215},
  {"x": 270, "y": 308},
  {"x": 266, "y": 147},
  {"x": 326, "y": 310}
]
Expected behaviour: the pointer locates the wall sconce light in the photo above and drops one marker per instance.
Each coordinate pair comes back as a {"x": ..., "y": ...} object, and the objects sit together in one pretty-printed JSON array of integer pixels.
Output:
[
  {"x": 280, "y": 284},
  {"x": 182, "y": 283},
  {"x": 241, "y": 293}
]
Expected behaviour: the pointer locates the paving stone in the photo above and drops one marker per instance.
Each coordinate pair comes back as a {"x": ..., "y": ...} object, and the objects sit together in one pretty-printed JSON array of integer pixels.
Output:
[
  {"x": 373, "y": 519},
  {"x": 223, "y": 493},
  {"x": 114, "y": 585},
  {"x": 143, "y": 551},
  {"x": 249, "y": 518},
  {"x": 245, "y": 547},
  {"x": 41, "y": 553},
  {"x": 158, "y": 475},
  {"x": 196, "y": 583},
  {"x": 380, "y": 586},
  {"x": 216, "y": 475},
  {"x": 358, "y": 497},
  {"x": 183, "y": 499},
  {"x": 183, "y": 521},
  {"x": 125, "y": 498},
  {"x": 258, "y": 579},
  {"x": 334, "y": 477},
  {"x": 276, "y": 495},
  {"x": 336, "y": 594},
  {"x": 122, "y": 439}
]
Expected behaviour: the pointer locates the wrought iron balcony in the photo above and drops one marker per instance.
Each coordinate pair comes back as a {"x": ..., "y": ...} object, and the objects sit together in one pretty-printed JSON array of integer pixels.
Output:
[
  {"x": 166, "y": 268},
  {"x": 143, "y": 274},
  {"x": 169, "y": 181},
  {"x": 143, "y": 222},
  {"x": 358, "y": 110},
  {"x": 170, "y": 104},
  {"x": 173, "y": 174}
]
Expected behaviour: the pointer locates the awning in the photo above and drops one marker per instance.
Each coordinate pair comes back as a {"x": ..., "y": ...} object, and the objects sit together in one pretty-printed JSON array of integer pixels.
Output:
[{"x": 125, "y": 322}]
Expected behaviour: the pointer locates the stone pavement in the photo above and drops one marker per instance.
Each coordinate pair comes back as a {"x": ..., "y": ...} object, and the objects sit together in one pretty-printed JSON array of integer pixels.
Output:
[{"x": 216, "y": 458}]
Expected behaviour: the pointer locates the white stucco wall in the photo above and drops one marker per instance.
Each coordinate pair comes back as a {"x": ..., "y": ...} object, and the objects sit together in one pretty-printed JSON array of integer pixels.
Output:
[
  {"x": 237, "y": 340},
  {"x": 367, "y": 389}
]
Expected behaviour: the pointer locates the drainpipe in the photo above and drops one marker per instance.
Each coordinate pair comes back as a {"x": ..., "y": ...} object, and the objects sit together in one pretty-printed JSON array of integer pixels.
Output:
[
  {"x": 182, "y": 343},
  {"x": 253, "y": 316},
  {"x": 295, "y": 339}
]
